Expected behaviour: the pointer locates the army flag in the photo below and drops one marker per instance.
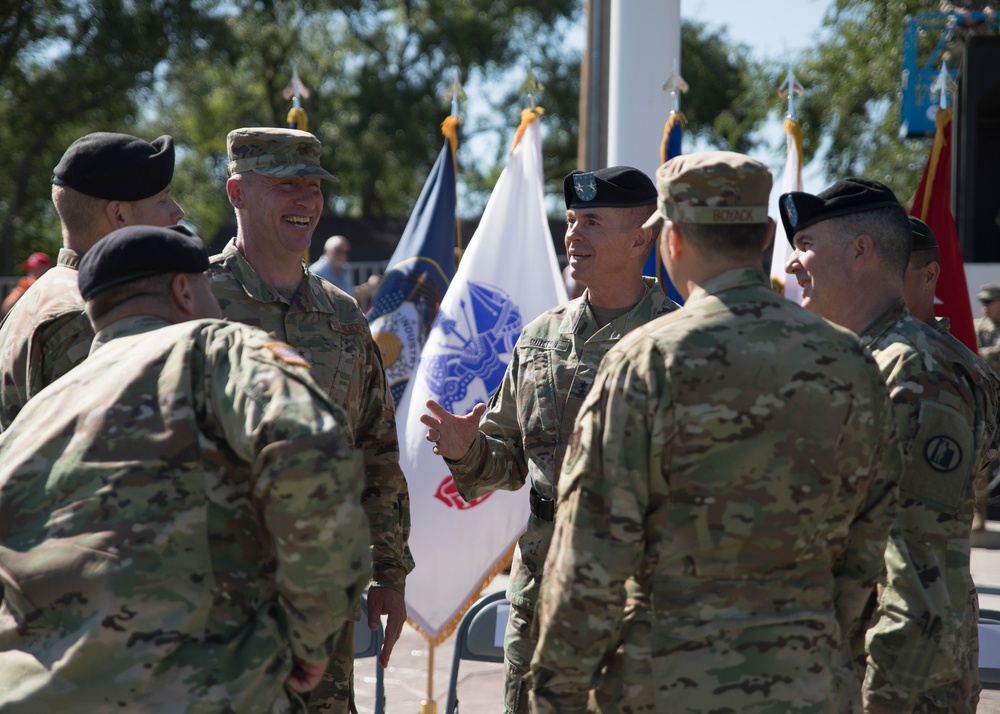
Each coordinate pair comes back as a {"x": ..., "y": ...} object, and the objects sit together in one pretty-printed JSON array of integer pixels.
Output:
[
  {"x": 785, "y": 283},
  {"x": 507, "y": 277},
  {"x": 421, "y": 268},
  {"x": 932, "y": 205}
]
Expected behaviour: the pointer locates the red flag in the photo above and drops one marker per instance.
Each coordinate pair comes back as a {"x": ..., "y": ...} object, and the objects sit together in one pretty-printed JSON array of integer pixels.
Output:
[{"x": 932, "y": 204}]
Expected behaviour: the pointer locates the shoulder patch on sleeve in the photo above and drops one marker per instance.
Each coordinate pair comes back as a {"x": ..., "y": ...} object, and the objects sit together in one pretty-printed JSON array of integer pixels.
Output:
[
  {"x": 286, "y": 353},
  {"x": 940, "y": 458}
]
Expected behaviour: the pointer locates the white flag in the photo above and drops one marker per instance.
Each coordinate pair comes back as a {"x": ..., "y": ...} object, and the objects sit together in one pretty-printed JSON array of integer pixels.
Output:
[
  {"x": 508, "y": 276},
  {"x": 781, "y": 281}
]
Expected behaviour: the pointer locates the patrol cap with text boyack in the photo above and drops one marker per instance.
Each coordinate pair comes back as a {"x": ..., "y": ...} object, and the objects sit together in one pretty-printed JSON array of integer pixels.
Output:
[
  {"x": 613, "y": 187},
  {"x": 988, "y": 293},
  {"x": 116, "y": 167},
  {"x": 717, "y": 187},
  {"x": 923, "y": 236},
  {"x": 850, "y": 195},
  {"x": 282, "y": 153},
  {"x": 136, "y": 252}
]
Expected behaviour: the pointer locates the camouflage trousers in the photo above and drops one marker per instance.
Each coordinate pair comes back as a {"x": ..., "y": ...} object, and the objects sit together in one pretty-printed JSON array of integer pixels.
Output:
[
  {"x": 519, "y": 644},
  {"x": 335, "y": 693}
]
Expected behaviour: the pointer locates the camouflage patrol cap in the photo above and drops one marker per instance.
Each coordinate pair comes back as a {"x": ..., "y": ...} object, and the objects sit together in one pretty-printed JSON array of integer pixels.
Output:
[
  {"x": 136, "y": 252},
  {"x": 282, "y": 153},
  {"x": 720, "y": 187},
  {"x": 988, "y": 293}
]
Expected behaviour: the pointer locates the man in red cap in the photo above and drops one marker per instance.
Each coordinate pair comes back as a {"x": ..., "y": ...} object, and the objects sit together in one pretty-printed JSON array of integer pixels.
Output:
[{"x": 35, "y": 266}]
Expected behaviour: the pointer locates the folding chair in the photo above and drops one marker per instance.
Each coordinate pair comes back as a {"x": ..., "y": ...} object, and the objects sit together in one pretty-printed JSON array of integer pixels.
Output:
[
  {"x": 368, "y": 643},
  {"x": 479, "y": 638}
]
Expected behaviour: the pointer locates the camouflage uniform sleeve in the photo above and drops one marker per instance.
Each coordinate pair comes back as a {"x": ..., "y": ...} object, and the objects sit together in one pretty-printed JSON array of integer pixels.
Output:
[
  {"x": 65, "y": 344},
  {"x": 495, "y": 461},
  {"x": 386, "y": 497},
  {"x": 913, "y": 638},
  {"x": 857, "y": 569},
  {"x": 306, "y": 487},
  {"x": 598, "y": 540}
]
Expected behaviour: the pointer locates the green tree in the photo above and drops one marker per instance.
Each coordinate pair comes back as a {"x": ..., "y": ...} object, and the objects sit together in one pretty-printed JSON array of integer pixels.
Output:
[
  {"x": 850, "y": 112},
  {"x": 68, "y": 68}
]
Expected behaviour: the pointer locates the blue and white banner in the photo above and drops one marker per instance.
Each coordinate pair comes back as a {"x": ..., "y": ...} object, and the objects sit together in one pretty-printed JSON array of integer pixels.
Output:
[
  {"x": 507, "y": 277},
  {"x": 419, "y": 272}
]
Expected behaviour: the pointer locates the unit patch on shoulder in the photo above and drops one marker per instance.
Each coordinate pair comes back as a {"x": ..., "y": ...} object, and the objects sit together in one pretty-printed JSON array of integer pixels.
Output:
[
  {"x": 286, "y": 353},
  {"x": 942, "y": 453}
]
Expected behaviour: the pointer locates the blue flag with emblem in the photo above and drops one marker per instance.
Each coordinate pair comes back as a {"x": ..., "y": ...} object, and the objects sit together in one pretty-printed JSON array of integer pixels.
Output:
[
  {"x": 508, "y": 276},
  {"x": 419, "y": 272}
]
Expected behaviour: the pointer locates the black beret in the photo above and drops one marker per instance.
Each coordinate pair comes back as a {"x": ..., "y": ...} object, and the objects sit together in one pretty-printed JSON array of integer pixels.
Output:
[
  {"x": 118, "y": 167},
  {"x": 851, "y": 195},
  {"x": 923, "y": 236},
  {"x": 136, "y": 252},
  {"x": 615, "y": 186}
]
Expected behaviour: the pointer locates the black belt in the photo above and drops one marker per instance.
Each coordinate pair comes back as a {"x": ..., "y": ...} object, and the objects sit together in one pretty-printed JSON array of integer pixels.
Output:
[{"x": 543, "y": 508}]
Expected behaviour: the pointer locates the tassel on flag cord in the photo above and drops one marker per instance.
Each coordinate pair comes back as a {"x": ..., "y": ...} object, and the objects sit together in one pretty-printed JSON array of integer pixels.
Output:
[{"x": 462, "y": 364}]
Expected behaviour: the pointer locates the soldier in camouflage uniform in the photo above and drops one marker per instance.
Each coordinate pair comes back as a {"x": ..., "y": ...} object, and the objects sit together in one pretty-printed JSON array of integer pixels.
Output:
[
  {"x": 919, "y": 286},
  {"x": 180, "y": 513},
  {"x": 530, "y": 417},
  {"x": 852, "y": 246},
  {"x": 260, "y": 279},
  {"x": 104, "y": 181},
  {"x": 988, "y": 326},
  {"x": 736, "y": 458}
]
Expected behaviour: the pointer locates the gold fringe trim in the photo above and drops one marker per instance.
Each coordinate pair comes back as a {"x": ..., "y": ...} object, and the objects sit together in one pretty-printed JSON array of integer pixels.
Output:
[
  {"x": 527, "y": 116},
  {"x": 941, "y": 120},
  {"x": 452, "y": 625},
  {"x": 673, "y": 120}
]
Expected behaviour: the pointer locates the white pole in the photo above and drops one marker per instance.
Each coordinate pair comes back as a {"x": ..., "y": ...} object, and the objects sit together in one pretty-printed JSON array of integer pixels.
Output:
[{"x": 645, "y": 42}]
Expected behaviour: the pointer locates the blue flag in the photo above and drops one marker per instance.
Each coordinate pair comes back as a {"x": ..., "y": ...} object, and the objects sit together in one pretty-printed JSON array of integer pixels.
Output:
[
  {"x": 419, "y": 272},
  {"x": 672, "y": 135}
]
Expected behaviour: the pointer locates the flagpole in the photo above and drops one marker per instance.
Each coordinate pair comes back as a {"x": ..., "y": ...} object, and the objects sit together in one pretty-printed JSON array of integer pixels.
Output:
[{"x": 449, "y": 127}]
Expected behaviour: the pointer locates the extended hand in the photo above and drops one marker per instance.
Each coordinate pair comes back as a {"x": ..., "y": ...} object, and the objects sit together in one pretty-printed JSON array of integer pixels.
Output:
[
  {"x": 388, "y": 602},
  {"x": 451, "y": 435}
]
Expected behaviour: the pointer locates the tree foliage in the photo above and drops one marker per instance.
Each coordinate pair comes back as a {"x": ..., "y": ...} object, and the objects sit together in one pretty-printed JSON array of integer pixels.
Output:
[
  {"x": 68, "y": 67},
  {"x": 850, "y": 113}
]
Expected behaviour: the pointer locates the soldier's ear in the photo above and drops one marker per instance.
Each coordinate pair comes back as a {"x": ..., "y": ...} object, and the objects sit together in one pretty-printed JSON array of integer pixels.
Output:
[
  {"x": 115, "y": 212},
  {"x": 771, "y": 227},
  {"x": 234, "y": 189},
  {"x": 673, "y": 240}
]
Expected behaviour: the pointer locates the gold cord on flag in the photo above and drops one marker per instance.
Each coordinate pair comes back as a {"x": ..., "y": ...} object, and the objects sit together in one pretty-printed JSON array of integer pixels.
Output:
[
  {"x": 527, "y": 116},
  {"x": 449, "y": 127},
  {"x": 794, "y": 130},
  {"x": 941, "y": 120},
  {"x": 297, "y": 119},
  {"x": 673, "y": 120}
]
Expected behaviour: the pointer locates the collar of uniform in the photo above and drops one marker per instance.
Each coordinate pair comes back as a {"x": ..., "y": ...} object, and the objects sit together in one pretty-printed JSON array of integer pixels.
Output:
[
  {"x": 313, "y": 294},
  {"x": 134, "y": 325},
  {"x": 728, "y": 280},
  {"x": 68, "y": 258},
  {"x": 895, "y": 312},
  {"x": 653, "y": 304}
]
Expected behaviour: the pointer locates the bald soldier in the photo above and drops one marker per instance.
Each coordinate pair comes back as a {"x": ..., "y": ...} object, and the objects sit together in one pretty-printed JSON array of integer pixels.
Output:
[
  {"x": 180, "y": 513},
  {"x": 736, "y": 459},
  {"x": 260, "y": 279},
  {"x": 104, "y": 181},
  {"x": 523, "y": 436},
  {"x": 852, "y": 246}
]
